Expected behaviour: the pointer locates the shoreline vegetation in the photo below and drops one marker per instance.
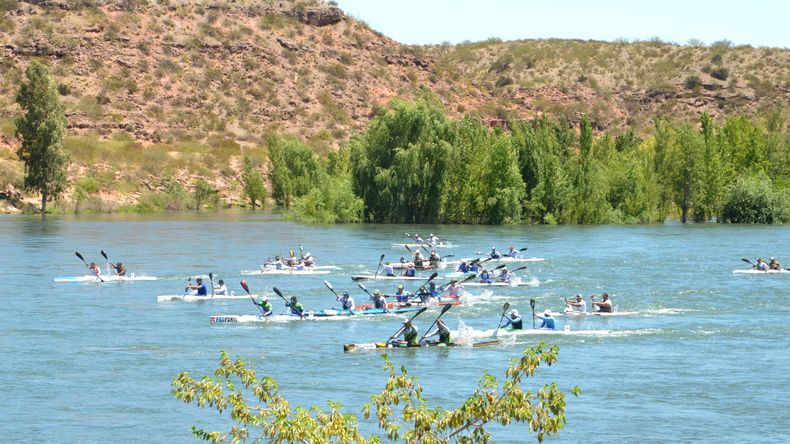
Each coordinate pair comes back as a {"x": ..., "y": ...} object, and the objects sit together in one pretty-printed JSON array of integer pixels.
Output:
[{"x": 414, "y": 164}]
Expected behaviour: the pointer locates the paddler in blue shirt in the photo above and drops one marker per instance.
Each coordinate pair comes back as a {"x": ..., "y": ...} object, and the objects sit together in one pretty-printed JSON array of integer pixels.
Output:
[
  {"x": 474, "y": 266},
  {"x": 442, "y": 332},
  {"x": 427, "y": 294},
  {"x": 266, "y": 306},
  {"x": 401, "y": 295},
  {"x": 410, "y": 271},
  {"x": 513, "y": 320},
  {"x": 202, "y": 289},
  {"x": 296, "y": 307},
  {"x": 462, "y": 267},
  {"x": 347, "y": 301},
  {"x": 485, "y": 276},
  {"x": 548, "y": 321},
  {"x": 505, "y": 275}
]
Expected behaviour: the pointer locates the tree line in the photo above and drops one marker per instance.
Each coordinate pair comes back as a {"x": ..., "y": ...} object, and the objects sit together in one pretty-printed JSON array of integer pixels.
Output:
[{"x": 416, "y": 165}]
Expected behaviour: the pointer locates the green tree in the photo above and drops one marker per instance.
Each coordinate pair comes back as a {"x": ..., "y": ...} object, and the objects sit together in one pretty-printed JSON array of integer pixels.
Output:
[
  {"x": 294, "y": 169},
  {"x": 202, "y": 192},
  {"x": 753, "y": 200},
  {"x": 253, "y": 184},
  {"x": 400, "y": 410},
  {"x": 334, "y": 202},
  {"x": 41, "y": 130}
]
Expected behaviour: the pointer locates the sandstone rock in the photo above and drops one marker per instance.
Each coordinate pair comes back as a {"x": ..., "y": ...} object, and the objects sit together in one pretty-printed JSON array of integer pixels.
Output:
[{"x": 318, "y": 16}]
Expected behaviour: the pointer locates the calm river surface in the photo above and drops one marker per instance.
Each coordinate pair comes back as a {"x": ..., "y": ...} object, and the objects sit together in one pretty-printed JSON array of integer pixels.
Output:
[{"x": 705, "y": 358}]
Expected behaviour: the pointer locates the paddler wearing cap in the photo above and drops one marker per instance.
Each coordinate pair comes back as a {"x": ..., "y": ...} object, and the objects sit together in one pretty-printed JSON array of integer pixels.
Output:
[
  {"x": 485, "y": 276},
  {"x": 379, "y": 301},
  {"x": 454, "y": 289},
  {"x": 577, "y": 305},
  {"x": 548, "y": 321},
  {"x": 402, "y": 295},
  {"x": 410, "y": 270},
  {"x": 296, "y": 307},
  {"x": 347, "y": 301},
  {"x": 511, "y": 252},
  {"x": 513, "y": 320},
  {"x": 773, "y": 265},
  {"x": 442, "y": 332},
  {"x": 409, "y": 333},
  {"x": 266, "y": 306},
  {"x": 505, "y": 275}
]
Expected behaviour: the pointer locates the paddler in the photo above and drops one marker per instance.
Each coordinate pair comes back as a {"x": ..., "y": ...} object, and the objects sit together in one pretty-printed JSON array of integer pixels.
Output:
[
  {"x": 578, "y": 305},
  {"x": 485, "y": 276},
  {"x": 511, "y": 252},
  {"x": 434, "y": 259},
  {"x": 604, "y": 306},
  {"x": 296, "y": 307},
  {"x": 379, "y": 301},
  {"x": 463, "y": 267},
  {"x": 220, "y": 288},
  {"x": 513, "y": 320},
  {"x": 94, "y": 269},
  {"x": 505, "y": 275},
  {"x": 418, "y": 259},
  {"x": 347, "y": 301},
  {"x": 454, "y": 289},
  {"x": 266, "y": 306},
  {"x": 202, "y": 289},
  {"x": 761, "y": 265},
  {"x": 308, "y": 261},
  {"x": 474, "y": 266},
  {"x": 410, "y": 270},
  {"x": 433, "y": 240},
  {"x": 494, "y": 254},
  {"x": 402, "y": 295},
  {"x": 409, "y": 332},
  {"x": 442, "y": 332},
  {"x": 426, "y": 294},
  {"x": 773, "y": 265},
  {"x": 278, "y": 263},
  {"x": 548, "y": 321},
  {"x": 119, "y": 269},
  {"x": 387, "y": 270}
]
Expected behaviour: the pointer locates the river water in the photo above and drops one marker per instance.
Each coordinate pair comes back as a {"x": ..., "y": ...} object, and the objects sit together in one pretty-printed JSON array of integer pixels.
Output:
[{"x": 704, "y": 358}]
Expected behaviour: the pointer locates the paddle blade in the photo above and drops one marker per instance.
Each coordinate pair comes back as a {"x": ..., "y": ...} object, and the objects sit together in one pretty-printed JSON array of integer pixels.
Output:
[
  {"x": 421, "y": 311},
  {"x": 520, "y": 268},
  {"x": 79, "y": 256},
  {"x": 445, "y": 308},
  {"x": 407, "y": 247},
  {"x": 746, "y": 260},
  {"x": 211, "y": 277},
  {"x": 362, "y": 286},
  {"x": 532, "y": 304},
  {"x": 245, "y": 287},
  {"x": 523, "y": 249},
  {"x": 382, "y": 257},
  {"x": 500, "y": 266},
  {"x": 105, "y": 255},
  {"x": 279, "y": 293},
  {"x": 328, "y": 285},
  {"x": 433, "y": 276},
  {"x": 505, "y": 307},
  {"x": 470, "y": 277}
]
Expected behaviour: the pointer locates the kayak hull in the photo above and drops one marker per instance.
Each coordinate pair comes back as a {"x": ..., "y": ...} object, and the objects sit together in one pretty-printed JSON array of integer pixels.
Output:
[
  {"x": 784, "y": 271},
  {"x": 350, "y": 348},
  {"x": 309, "y": 316},
  {"x": 284, "y": 272},
  {"x": 196, "y": 298},
  {"x": 108, "y": 278}
]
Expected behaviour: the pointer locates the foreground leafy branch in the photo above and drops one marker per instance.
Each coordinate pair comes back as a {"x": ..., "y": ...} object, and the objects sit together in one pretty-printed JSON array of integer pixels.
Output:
[{"x": 400, "y": 409}]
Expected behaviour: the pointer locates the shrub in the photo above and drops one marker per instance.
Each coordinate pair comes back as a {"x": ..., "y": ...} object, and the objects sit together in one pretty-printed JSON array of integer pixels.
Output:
[
  {"x": 693, "y": 82},
  {"x": 503, "y": 81},
  {"x": 332, "y": 202},
  {"x": 720, "y": 73},
  {"x": 753, "y": 200}
]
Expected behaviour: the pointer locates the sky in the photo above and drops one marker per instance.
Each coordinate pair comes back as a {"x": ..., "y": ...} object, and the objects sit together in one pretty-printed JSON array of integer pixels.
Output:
[{"x": 755, "y": 22}]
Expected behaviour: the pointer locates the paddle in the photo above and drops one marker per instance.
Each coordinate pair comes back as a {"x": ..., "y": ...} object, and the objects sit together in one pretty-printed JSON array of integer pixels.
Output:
[
  {"x": 86, "y": 264},
  {"x": 287, "y": 303},
  {"x": 211, "y": 279},
  {"x": 419, "y": 312},
  {"x": 108, "y": 260},
  {"x": 247, "y": 289},
  {"x": 532, "y": 305},
  {"x": 329, "y": 286},
  {"x": 504, "y": 310},
  {"x": 465, "y": 279},
  {"x": 444, "y": 310},
  {"x": 364, "y": 288},
  {"x": 378, "y": 267}
]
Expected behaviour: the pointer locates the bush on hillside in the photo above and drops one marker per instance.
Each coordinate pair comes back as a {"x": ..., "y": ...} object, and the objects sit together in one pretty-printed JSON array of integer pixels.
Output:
[{"x": 720, "y": 73}]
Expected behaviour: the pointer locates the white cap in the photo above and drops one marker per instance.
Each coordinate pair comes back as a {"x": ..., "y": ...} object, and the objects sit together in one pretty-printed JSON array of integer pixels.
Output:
[
  {"x": 547, "y": 313},
  {"x": 514, "y": 312},
  {"x": 264, "y": 298}
]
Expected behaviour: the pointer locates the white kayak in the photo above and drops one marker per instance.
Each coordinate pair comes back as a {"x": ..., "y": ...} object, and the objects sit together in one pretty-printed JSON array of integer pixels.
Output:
[
  {"x": 370, "y": 277},
  {"x": 105, "y": 278},
  {"x": 248, "y": 319},
  {"x": 283, "y": 272},
  {"x": 581, "y": 314},
  {"x": 501, "y": 260},
  {"x": 497, "y": 284},
  {"x": 506, "y": 332},
  {"x": 196, "y": 298},
  {"x": 752, "y": 271},
  {"x": 426, "y": 245}
]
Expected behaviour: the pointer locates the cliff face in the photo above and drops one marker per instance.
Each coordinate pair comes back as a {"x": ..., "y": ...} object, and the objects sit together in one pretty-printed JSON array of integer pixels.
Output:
[{"x": 173, "y": 69}]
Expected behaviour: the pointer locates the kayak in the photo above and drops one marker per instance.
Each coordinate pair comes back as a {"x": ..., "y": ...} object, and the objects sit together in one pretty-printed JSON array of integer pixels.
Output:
[
  {"x": 426, "y": 245},
  {"x": 496, "y": 284},
  {"x": 580, "y": 314},
  {"x": 107, "y": 278},
  {"x": 404, "y": 265},
  {"x": 309, "y": 315},
  {"x": 782, "y": 271},
  {"x": 196, "y": 298},
  {"x": 396, "y": 305},
  {"x": 400, "y": 344},
  {"x": 501, "y": 260},
  {"x": 284, "y": 271},
  {"x": 379, "y": 277}
]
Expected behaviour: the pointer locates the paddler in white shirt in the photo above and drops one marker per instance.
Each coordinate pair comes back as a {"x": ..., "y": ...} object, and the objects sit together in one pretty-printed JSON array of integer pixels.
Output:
[
  {"x": 347, "y": 301},
  {"x": 454, "y": 289},
  {"x": 579, "y": 305},
  {"x": 220, "y": 288},
  {"x": 387, "y": 270}
]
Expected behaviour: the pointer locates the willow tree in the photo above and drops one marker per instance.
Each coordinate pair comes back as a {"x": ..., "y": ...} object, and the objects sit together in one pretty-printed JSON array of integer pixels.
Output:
[{"x": 41, "y": 129}]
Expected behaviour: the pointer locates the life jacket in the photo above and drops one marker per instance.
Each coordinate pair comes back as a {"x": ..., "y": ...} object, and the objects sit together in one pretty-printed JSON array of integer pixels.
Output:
[
  {"x": 444, "y": 336},
  {"x": 267, "y": 308},
  {"x": 297, "y": 309},
  {"x": 379, "y": 303},
  {"x": 517, "y": 325},
  {"x": 410, "y": 335}
]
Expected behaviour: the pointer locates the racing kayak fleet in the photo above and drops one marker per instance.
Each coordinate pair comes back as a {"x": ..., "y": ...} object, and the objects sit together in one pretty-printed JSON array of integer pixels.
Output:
[{"x": 405, "y": 303}]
